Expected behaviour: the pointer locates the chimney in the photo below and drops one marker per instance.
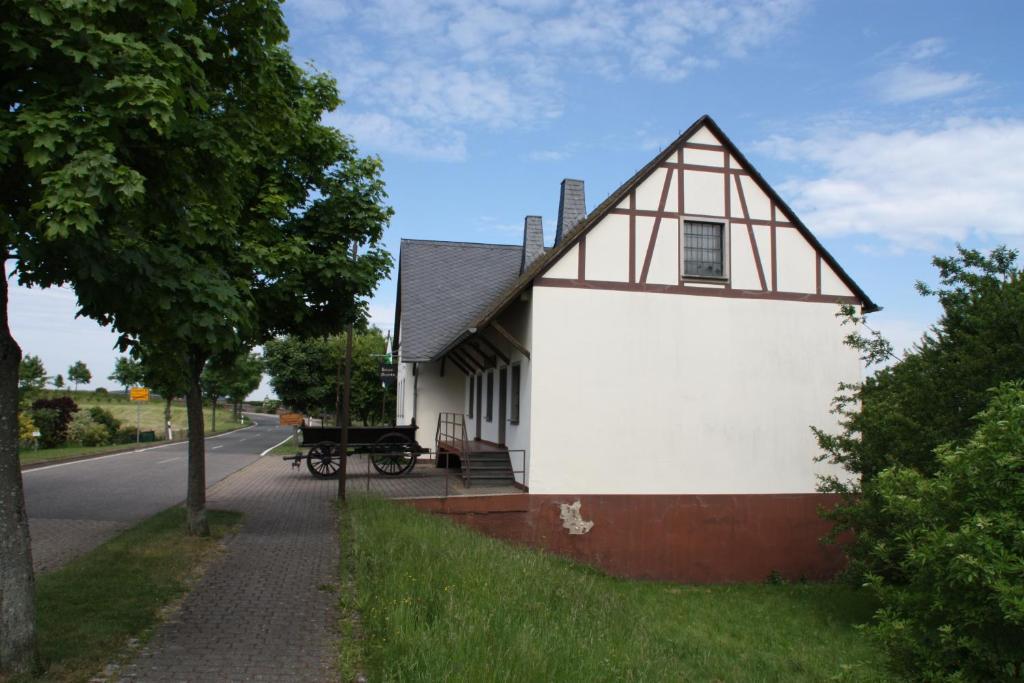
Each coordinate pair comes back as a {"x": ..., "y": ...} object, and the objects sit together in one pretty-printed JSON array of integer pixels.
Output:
[
  {"x": 533, "y": 241},
  {"x": 572, "y": 207}
]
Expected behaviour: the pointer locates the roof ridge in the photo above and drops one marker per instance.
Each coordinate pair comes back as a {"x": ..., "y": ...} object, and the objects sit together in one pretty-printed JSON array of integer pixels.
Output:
[{"x": 461, "y": 243}]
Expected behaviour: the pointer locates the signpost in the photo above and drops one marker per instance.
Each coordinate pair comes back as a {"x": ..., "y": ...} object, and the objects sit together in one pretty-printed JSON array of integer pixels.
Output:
[
  {"x": 290, "y": 419},
  {"x": 138, "y": 395}
]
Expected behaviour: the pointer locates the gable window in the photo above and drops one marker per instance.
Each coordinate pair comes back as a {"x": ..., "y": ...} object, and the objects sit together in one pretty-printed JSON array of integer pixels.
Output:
[
  {"x": 514, "y": 389},
  {"x": 705, "y": 245},
  {"x": 471, "y": 397},
  {"x": 490, "y": 396}
]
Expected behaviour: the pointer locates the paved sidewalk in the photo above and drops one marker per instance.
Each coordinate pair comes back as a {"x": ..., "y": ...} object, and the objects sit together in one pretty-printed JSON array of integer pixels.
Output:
[{"x": 266, "y": 610}]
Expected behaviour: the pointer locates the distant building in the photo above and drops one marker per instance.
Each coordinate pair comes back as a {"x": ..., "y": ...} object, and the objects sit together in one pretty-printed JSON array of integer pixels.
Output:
[{"x": 661, "y": 363}]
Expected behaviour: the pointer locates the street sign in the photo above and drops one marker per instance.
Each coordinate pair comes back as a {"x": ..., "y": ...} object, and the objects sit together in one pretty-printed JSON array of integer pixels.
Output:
[
  {"x": 388, "y": 373},
  {"x": 139, "y": 394},
  {"x": 290, "y": 419}
]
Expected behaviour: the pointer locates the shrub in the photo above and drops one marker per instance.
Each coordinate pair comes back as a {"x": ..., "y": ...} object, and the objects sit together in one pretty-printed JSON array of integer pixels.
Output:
[
  {"x": 100, "y": 391},
  {"x": 957, "y": 611},
  {"x": 106, "y": 418},
  {"x": 52, "y": 416},
  {"x": 125, "y": 435},
  {"x": 85, "y": 431},
  {"x": 26, "y": 428}
]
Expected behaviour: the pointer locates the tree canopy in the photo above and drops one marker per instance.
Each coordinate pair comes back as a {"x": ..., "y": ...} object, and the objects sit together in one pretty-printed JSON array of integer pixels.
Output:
[
  {"x": 31, "y": 376},
  {"x": 79, "y": 373},
  {"x": 305, "y": 374},
  {"x": 168, "y": 161}
]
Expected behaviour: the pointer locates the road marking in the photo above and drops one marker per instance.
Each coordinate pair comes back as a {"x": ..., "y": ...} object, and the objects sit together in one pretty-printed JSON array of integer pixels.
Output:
[
  {"x": 116, "y": 455},
  {"x": 216, "y": 447},
  {"x": 276, "y": 445},
  {"x": 161, "y": 462}
]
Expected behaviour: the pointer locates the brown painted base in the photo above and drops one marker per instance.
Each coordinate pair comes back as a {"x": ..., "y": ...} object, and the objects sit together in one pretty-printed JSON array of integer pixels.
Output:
[{"x": 685, "y": 538}]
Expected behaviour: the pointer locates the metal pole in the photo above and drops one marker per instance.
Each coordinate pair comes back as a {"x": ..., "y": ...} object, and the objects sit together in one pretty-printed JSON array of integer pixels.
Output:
[
  {"x": 138, "y": 421},
  {"x": 345, "y": 402}
]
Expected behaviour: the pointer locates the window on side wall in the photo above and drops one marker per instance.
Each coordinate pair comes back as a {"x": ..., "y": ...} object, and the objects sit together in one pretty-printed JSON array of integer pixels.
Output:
[
  {"x": 490, "y": 396},
  {"x": 471, "y": 396},
  {"x": 705, "y": 246},
  {"x": 514, "y": 407}
]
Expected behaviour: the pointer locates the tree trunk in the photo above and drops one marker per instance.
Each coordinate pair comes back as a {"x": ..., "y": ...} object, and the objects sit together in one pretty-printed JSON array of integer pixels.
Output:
[
  {"x": 196, "y": 500},
  {"x": 17, "y": 580},
  {"x": 167, "y": 417}
]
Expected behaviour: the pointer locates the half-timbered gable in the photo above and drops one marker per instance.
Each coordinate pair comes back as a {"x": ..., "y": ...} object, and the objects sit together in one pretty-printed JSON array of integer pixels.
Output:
[{"x": 639, "y": 241}]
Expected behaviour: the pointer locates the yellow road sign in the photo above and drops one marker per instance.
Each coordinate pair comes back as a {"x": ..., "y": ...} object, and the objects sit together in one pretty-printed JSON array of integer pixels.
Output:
[
  {"x": 139, "y": 394},
  {"x": 290, "y": 419}
]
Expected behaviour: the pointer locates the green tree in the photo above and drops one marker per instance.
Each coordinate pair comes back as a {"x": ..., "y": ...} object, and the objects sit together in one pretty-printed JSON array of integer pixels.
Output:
[
  {"x": 957, "y": 611},
  {"x": 233, "y": 376},
  {"x": 127, "y": 372},
  {"x": 168, "y": 161},
  {"x": 31, "y": 376},
  {"x": 166, "y": 376},
  {"x": 306, "y": 376},
  {"x": 902, "y": 413},
  {"x": 58, "y": 381},
  {"x": 97, "y": 97},
  {"x": 79, "y": 374}
]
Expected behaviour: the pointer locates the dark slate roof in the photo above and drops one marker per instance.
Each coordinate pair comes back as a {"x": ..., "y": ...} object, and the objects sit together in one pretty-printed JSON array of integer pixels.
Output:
[
  {"x": 444, "y": 286},
  {"x": 572, "y": 207}
]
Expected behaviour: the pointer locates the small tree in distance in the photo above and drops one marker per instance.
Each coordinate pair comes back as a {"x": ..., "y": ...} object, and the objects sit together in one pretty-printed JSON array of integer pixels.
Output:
[
  {"x": 127, "y": 372},
  {"x": 31, "y": 376},
  {"x": 79, "y": 373},
  {"x": 58, "y": 381}
]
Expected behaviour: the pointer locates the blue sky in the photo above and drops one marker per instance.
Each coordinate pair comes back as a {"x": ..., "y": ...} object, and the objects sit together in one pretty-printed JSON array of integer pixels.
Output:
[{"x": 895, "y": 130}]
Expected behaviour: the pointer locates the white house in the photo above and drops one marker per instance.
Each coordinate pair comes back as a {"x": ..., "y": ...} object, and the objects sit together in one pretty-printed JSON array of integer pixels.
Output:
[{"x": 677, "y": 341}]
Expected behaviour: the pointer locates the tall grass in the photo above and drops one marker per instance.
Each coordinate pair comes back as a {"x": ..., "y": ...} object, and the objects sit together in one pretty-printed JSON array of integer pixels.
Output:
[{"x": 440, "y": 602}]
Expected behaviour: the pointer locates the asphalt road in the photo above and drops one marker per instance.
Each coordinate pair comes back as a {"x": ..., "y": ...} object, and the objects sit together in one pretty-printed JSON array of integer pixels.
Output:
[{"x": 128, "y": 487}]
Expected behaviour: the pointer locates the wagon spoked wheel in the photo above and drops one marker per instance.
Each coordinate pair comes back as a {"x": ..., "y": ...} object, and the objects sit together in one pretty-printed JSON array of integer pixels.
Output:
[
  {"x": 323, "y": 460},
  {"x": 399, "y": 460}
]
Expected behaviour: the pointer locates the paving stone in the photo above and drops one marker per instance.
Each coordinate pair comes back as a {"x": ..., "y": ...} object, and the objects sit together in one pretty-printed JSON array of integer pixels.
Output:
[{"x": 260, "y": 606}]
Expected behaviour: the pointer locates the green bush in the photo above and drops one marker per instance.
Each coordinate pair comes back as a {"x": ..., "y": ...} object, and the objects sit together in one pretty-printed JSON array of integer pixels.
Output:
[
  {"x": 105, "y": 418},
  {"x": 85, "y": 431},
  {"x": 26, "y": 428},
  {"x": 52, "y": 416},
  {"x": 956, "y": 612}
]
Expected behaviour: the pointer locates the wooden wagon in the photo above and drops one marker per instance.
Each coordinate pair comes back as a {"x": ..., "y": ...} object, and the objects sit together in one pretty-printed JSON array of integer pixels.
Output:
[{"x": 392, "y": 449}]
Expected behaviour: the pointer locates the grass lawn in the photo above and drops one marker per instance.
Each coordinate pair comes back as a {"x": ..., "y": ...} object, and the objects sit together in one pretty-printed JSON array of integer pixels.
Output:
[
  {"x": 289, "y": 447},
  {"x": 151, "y": 419},
  {"x": 88, "y": 609},
  {"x": 441, "y": 602}
]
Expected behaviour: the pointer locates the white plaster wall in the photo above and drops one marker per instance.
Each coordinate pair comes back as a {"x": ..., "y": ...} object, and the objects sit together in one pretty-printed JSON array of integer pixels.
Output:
[
  {"x": 665, "y": 265},
  {"x": 704, "y": 193},
  {"x": 403, "y": 397},
  {"x": 704, "y": 157},
  {"x": 434, "y": 394},
  {"x": 830, "y": 282},
  {"x": 796, "y": 259},
  {"x": 704, "y": 137},
  {"x": 608, "y": 250},
  {"x": 567, "y": 266},
  {"x": 662, "y": 393}
]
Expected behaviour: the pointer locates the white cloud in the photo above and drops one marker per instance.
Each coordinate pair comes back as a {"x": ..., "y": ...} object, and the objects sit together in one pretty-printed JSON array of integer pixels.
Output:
[
  {"x": 425, "y": 65},
  {"x": 909, "y": 80},
  {"x": 911, "y": 188},
  {"x": 927, "y": 48},
  {"x": 387, "y": 134},
  {"x": 547, "y": 155},
  {"x": 909, "y": 83}
]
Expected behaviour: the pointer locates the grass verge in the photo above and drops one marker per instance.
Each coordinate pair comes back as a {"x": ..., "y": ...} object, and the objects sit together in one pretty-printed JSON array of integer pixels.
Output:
[
  {"x": 88, "y": 609},
  {"x": 31, "y": 457},
  {"x": 441, "y": 602}
]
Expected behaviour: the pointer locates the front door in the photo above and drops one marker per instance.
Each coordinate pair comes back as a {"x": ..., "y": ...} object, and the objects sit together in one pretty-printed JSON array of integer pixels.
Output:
[
  {"x": 479, "y": 404},
  {"x": 502, "y": 403}
]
